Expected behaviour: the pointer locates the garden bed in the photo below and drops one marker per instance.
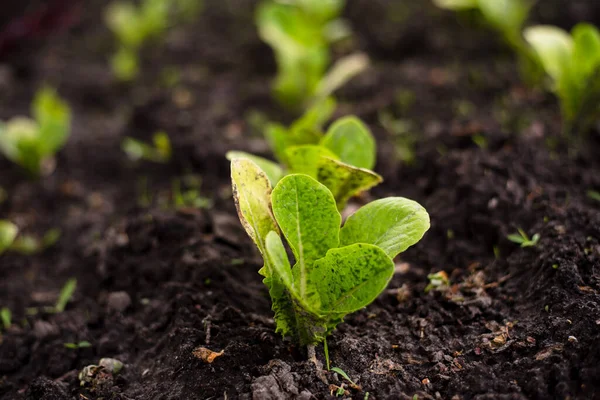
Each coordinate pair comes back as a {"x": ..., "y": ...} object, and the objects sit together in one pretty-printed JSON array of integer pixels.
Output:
[{"x": 154, "y": 281}]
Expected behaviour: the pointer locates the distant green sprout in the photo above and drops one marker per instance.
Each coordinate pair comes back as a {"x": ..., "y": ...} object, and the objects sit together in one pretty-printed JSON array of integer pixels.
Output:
[
  {"x": 300, "y": 33},
  {"x": 572, "y": 61},
  {"x": 160, "y": 151},
  {"x": 594, "y": 195},
  {"x": 341, "y": 158},
  {"x": 135, "y": 25},
  {"x": 33, "y": 142},
  {"x": 523, "y": 239},
  {"x": 437, "y": 281},
  {"x": 65, "y": 295},
  {"x": 8, "y": 234},
  {"x": 79, "y": 345},
  {"x": 506, "y": 17},
  {"x": 5, "y": 317},
  {"x": 190, "y": 197},
  {"x": 337, "y": 271}
]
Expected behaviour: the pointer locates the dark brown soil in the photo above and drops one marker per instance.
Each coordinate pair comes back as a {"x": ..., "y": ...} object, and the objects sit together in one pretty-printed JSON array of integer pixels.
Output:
[{"x": 155, "y": 282}]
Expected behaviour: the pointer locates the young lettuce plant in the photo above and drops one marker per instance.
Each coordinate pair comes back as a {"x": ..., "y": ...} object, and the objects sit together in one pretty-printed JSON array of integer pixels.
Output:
[
  {"x": 337, "y": 270},
  {"x": 572, "y": 61},
  {"x": 341, "y": 159},
  {"x": 506, "y": 17},
  {"x": 134, "y": 26},
  {"x": 300, "y": 33},
  {"x": 32, "y": 143}
]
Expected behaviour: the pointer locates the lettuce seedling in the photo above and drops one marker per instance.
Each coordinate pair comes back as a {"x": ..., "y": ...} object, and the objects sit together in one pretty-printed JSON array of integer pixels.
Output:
[
  {"x": 135, "y": 25},
  {"x": 337, "y": 270},
  {"x": 8, "y": 233},
  {"x": 300, "y": 33},
  {"x": 341, "y": 159},
  {"x": 572, "y": 61},
  {"x": 506, "y": 17},
  {"x": 159, "y": 151},
  {"x": 32, "y": 143}
]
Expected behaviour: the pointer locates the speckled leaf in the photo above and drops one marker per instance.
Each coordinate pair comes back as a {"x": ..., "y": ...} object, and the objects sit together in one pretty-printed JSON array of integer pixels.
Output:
[
  {"x": 270, "y": 168},
  {"x": 351, "y": 140},
  {"x": 278, "y": 259},
  {"x": 393, "y": 224},
  {"x": 251, "y": 192},
  {"x": 8, "y": 233},
  {"x": 343, "y": 180},
  {"x": 309, "y": 219},
  {"x": 305, "y": 159},
  {"x": 348, "y": 278}
]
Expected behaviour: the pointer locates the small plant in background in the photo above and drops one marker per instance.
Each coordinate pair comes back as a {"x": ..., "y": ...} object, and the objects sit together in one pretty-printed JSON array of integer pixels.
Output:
[
  {"x": 300, "y": 33},
  {"x": 437, "y": 281},
  {"x": 341, "y": 158},
  {"x": 33, "y": 142},
  {"x": 5, "y": 318},
  {"x": 572, "y": 61},
  {"x": 523, "y": 239},
  {"x": 506, "y": 17},
  {"x": 8, "y": 233},
  {"x": 135, "y": 25},
  {"x": 159, "y": 151},
  {"x": 337, "y": 271}
]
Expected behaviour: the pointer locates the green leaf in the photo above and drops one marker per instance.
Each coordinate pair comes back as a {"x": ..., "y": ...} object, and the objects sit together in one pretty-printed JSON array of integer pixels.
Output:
[
  {"x": 8, "y": 233},
  {"x": 554, "y": 47},
  {"x": 507, "y": 15},
  {"x": 586, "y": 50},
  {"x": 251, "y": 192},
  {"x": 5, "y": 317},
  {"x": 305, "y": 159},
  {"x": 278, "y": 259},
  {"x": 456, "y": 4},
  {"x": 270, "y": 168},
  {"x": 65, "y": 295},
  {"x": 53, "y": 117},
  {"x": 348, "y": 278},
  {"x": 351, "y": 140},
  {"x": 307, "y": 214},
  {"x": 343, "y": 180},
  {"x": 341, "y": 72},
  {"x": 393, "y": 224}
]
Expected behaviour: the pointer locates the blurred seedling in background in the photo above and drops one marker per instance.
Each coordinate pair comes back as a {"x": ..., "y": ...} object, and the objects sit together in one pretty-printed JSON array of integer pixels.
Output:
[
  {"x": 300, "y": 32},
  {"x": 341, "y": 158},
  {"x": 65, "y": 295},
  {"x": 594, "y": 195},
  {"x": 438, "y": 281},
  {"x": 338, "y": 270},
  {"x": 508, "y": 18},
  {"x": 79, "y": 345},
  {"x": 10, "y": 240},
  {"x": 5, "y": 318},
  {"x": 572, "y": 61},
  {"x": 134, "y": 25},
  {"x": 33, "y": 142},
  {"x": 159, "y": 151},
  {"x": 523, "y": 239}
]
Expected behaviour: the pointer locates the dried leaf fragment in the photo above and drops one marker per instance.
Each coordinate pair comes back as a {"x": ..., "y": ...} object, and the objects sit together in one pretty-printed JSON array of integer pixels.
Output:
[{"x": 206, "y": 355}]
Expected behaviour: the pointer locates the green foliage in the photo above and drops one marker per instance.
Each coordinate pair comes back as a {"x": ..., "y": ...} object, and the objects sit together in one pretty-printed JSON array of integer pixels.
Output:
[
  {"x": 135, "y": 25},
  {"x": 437, "y": 281},
  {"x": 32, "y": 143},
  {"x": 340, "y": 159},
  {"x": 159, "y": 151},
  {"x": 337, "y": 270},
  {"x": 8, "y": 233},
  {"x": 65, "y": 295},
  {"x": 5, "y": 317},
  {"x": 79, "y": 345},
  {"x": 523, "y": 239},
  {"x": 572, "y": 61},
  {"x": 29, "y": 245},
  {"x": 300, "y": 33}
]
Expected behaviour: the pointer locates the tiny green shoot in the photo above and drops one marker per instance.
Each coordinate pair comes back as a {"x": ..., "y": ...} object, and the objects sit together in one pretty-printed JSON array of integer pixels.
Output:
[
  {"x": 337, "y": 270},
  {"x": 189, "y": 197},
  {"x": 300, "y": 33},
  {"x": 341, "y": 158},
  {"x": 523, "y": 239},
  {"x": 159, "y": 151},
  {"x": 343, "y": 374},
  {"x": 437, "y": 281},
  {"x": 594, "y": 195},
  {"x": 572, "y": 61},
  {"x": 8, "y": 233},
  {"x": 79, "y": 345},
  {"x": 5, "y": 317},
  {"x": 33, "y": 142},
  {"x": 29, "y": 245},
  {"x": 65, "y": 295}
]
